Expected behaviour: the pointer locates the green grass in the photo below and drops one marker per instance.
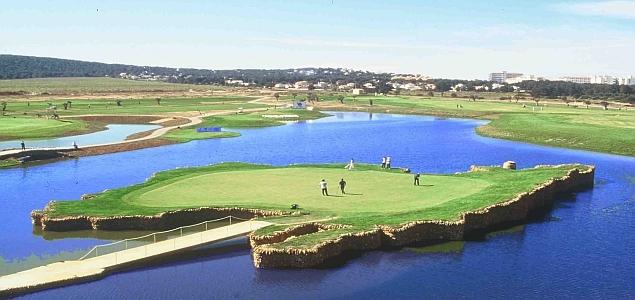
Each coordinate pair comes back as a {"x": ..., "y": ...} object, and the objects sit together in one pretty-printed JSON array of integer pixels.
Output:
[
  {"x": 190, "y": 134},
  {"x": 247, "y": 120},
  {"x": 253, "y": 120},
  {"x": 8, "y": 163},
  {"x": 374, "y": 196},
  {"x": 553, "y": 124},
  {"x": 31, "y": 128},
  {"x": 90, "y": 84},
  {"x": 132, "y": 106}
]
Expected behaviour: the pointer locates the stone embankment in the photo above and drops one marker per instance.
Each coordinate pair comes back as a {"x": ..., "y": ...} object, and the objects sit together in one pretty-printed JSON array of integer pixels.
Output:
[
  {"x": 265, "y": 255},
  {"x": 162, "y": 221}
]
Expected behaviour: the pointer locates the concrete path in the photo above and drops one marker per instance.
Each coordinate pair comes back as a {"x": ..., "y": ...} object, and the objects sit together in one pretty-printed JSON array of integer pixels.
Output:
[{"x": 69, "y": 272}]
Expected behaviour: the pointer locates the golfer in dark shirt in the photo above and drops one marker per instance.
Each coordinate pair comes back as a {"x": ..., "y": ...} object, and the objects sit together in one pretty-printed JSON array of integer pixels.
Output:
[
  {"x": 342, "y": 185},
  {"x": 417, "y": 179}
]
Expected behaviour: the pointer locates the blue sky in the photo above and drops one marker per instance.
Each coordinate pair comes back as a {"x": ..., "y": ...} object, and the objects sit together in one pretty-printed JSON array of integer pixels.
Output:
[{"x": 451, "y": 38}]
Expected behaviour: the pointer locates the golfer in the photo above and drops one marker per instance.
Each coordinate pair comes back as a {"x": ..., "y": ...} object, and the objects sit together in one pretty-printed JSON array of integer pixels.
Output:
[
  {"x": 387, "y": 162},
  {"x": 342, "y": 186},
  {"x": 325, "y": 191},
  {"x": 350, "y": 165},
  {"x": 383, "y": 162},
  {"x": 417, "y": 178},
  {"x": 23, "y": 145}
]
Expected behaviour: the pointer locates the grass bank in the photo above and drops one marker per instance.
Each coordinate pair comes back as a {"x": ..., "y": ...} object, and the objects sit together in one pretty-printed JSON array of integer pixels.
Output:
[{"x": 546, "y": 123}]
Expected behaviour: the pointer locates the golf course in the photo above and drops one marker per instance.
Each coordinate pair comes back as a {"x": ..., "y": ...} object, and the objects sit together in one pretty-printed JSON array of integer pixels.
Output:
[{"x": 373, "y": 196}]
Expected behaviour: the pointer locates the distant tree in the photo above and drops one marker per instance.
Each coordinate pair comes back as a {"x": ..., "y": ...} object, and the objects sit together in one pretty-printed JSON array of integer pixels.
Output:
[
  {"x": 294, "y": 94},
  {"x": 430, "y": 94},
  {"x": 537, "y": 100},
  {"x": 311, "y": 87},
  {"x": 384, "y": 88},
  {"x": 341, "y": 98},
  {"x": 605, "y": 105},
  {"x": 158, "y": 100},
  {"x": 454, "y": 95},
  {"x": 65, "y": 104},
  {"x": 473, "y": 97},
  {"x": 70, "y": 104},
  {"x": 276, "y": 95},
  {"x": 587, "y": 103},
  {"x": 354, "y": 97},
  {"x": 119, "y": 103},
  {"x": 4, "y": 106},
  {"x": 566, "y": 100}
]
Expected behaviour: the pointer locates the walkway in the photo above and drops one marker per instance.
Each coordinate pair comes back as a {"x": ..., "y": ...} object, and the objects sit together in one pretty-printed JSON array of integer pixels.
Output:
[{"x": 94, "y": 267}]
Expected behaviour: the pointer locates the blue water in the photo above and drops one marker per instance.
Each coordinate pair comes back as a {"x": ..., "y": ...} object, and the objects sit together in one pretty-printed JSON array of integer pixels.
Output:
[
  {"x": 583, "y": 248},
  {"x": 113, "y": 133}
]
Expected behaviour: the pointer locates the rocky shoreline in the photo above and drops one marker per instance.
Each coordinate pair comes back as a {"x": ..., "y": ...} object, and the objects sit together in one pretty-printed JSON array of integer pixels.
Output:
[
  {"x": 516, "y": 209},
  {"x": 267, "y": 255},
  {"x": 162, "y": 221}
]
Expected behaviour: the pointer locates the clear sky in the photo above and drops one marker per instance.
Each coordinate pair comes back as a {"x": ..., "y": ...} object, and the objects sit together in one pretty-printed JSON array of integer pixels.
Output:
[{"x": 449, "y": 38}]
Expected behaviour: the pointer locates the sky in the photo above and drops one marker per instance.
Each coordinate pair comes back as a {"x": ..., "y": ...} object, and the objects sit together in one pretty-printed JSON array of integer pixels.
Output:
[{"x": 449, "y": 39}]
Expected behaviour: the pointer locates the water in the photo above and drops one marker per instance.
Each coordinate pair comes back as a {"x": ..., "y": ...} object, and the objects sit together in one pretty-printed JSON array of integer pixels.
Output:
[
  {"x": 583, "y": 248},
  {"x": 113, "y": 133}
]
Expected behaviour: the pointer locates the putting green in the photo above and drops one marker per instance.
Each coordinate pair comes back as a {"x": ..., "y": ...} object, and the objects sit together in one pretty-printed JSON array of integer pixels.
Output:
[
  {"x": 374, "y": 196},
  {"x": 367, "y": 191}
]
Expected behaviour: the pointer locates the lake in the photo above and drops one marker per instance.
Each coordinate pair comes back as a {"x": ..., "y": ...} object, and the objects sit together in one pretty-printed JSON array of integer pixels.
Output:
[{"x": 582, "y": 248}]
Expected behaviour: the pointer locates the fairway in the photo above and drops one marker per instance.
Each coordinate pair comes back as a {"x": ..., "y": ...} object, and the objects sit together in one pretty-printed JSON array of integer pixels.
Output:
[{"x": 368, "y": 191}]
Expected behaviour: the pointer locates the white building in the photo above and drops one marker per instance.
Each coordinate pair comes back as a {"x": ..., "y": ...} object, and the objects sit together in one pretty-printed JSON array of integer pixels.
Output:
[
  {"x": 576, "y": 79},
  {"x": 358, "y": 91},
  {"x": 282, "y": 85},
  {"x": 322, "y": 85},
  {"x": 607, "y": 79},
  {"x": 522, "y": 78},
  {"x": 503, "y": 76},
  {"x": 301, "y": 85}
]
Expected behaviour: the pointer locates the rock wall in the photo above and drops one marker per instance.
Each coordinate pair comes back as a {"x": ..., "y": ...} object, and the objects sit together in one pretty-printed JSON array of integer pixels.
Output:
[
  {"x": 162, "y": 221},
  {"x": 267, "y": 256}
]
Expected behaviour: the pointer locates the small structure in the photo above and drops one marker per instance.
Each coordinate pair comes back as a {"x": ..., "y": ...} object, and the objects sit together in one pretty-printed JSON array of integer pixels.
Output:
[
  {"x": 509, "y": 165},
  {"x": 299, "y": 104},
  {"x": 358, "y": 92}
]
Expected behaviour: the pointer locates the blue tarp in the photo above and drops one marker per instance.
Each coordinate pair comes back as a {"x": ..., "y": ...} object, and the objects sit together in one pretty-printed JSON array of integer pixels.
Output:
[{"x": 208, "y": 129}]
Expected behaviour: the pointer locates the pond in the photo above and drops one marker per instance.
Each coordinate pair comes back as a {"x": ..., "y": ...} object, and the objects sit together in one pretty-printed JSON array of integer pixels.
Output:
[
  {"x": 580, "y": 249},
  {"x": 113, "y": 133}
]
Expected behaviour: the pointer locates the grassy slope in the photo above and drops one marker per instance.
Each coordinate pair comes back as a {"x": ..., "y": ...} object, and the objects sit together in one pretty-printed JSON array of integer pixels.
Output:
[
  {"x": 190, "y": 134},
  {"x": 376, "y": 196},
  {"x": 30, "y": 128},
  {"x": 611, "y": 131},
  {"x": 89, "y": 84}
]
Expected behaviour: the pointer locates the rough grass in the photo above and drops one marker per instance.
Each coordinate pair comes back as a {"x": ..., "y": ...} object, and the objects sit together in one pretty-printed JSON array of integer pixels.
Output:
[
  {"x": 256, "y": 119},
  {"x": 190, "y": 134},
  {"x": 8, "y": 163},
  {"x": 374, "y": 196},
  {"x": 89, "y": 84}
]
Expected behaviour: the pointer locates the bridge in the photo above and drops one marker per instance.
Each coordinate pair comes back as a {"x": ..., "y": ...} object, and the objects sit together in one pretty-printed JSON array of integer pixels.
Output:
[{"x": 102, "y": 259}]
